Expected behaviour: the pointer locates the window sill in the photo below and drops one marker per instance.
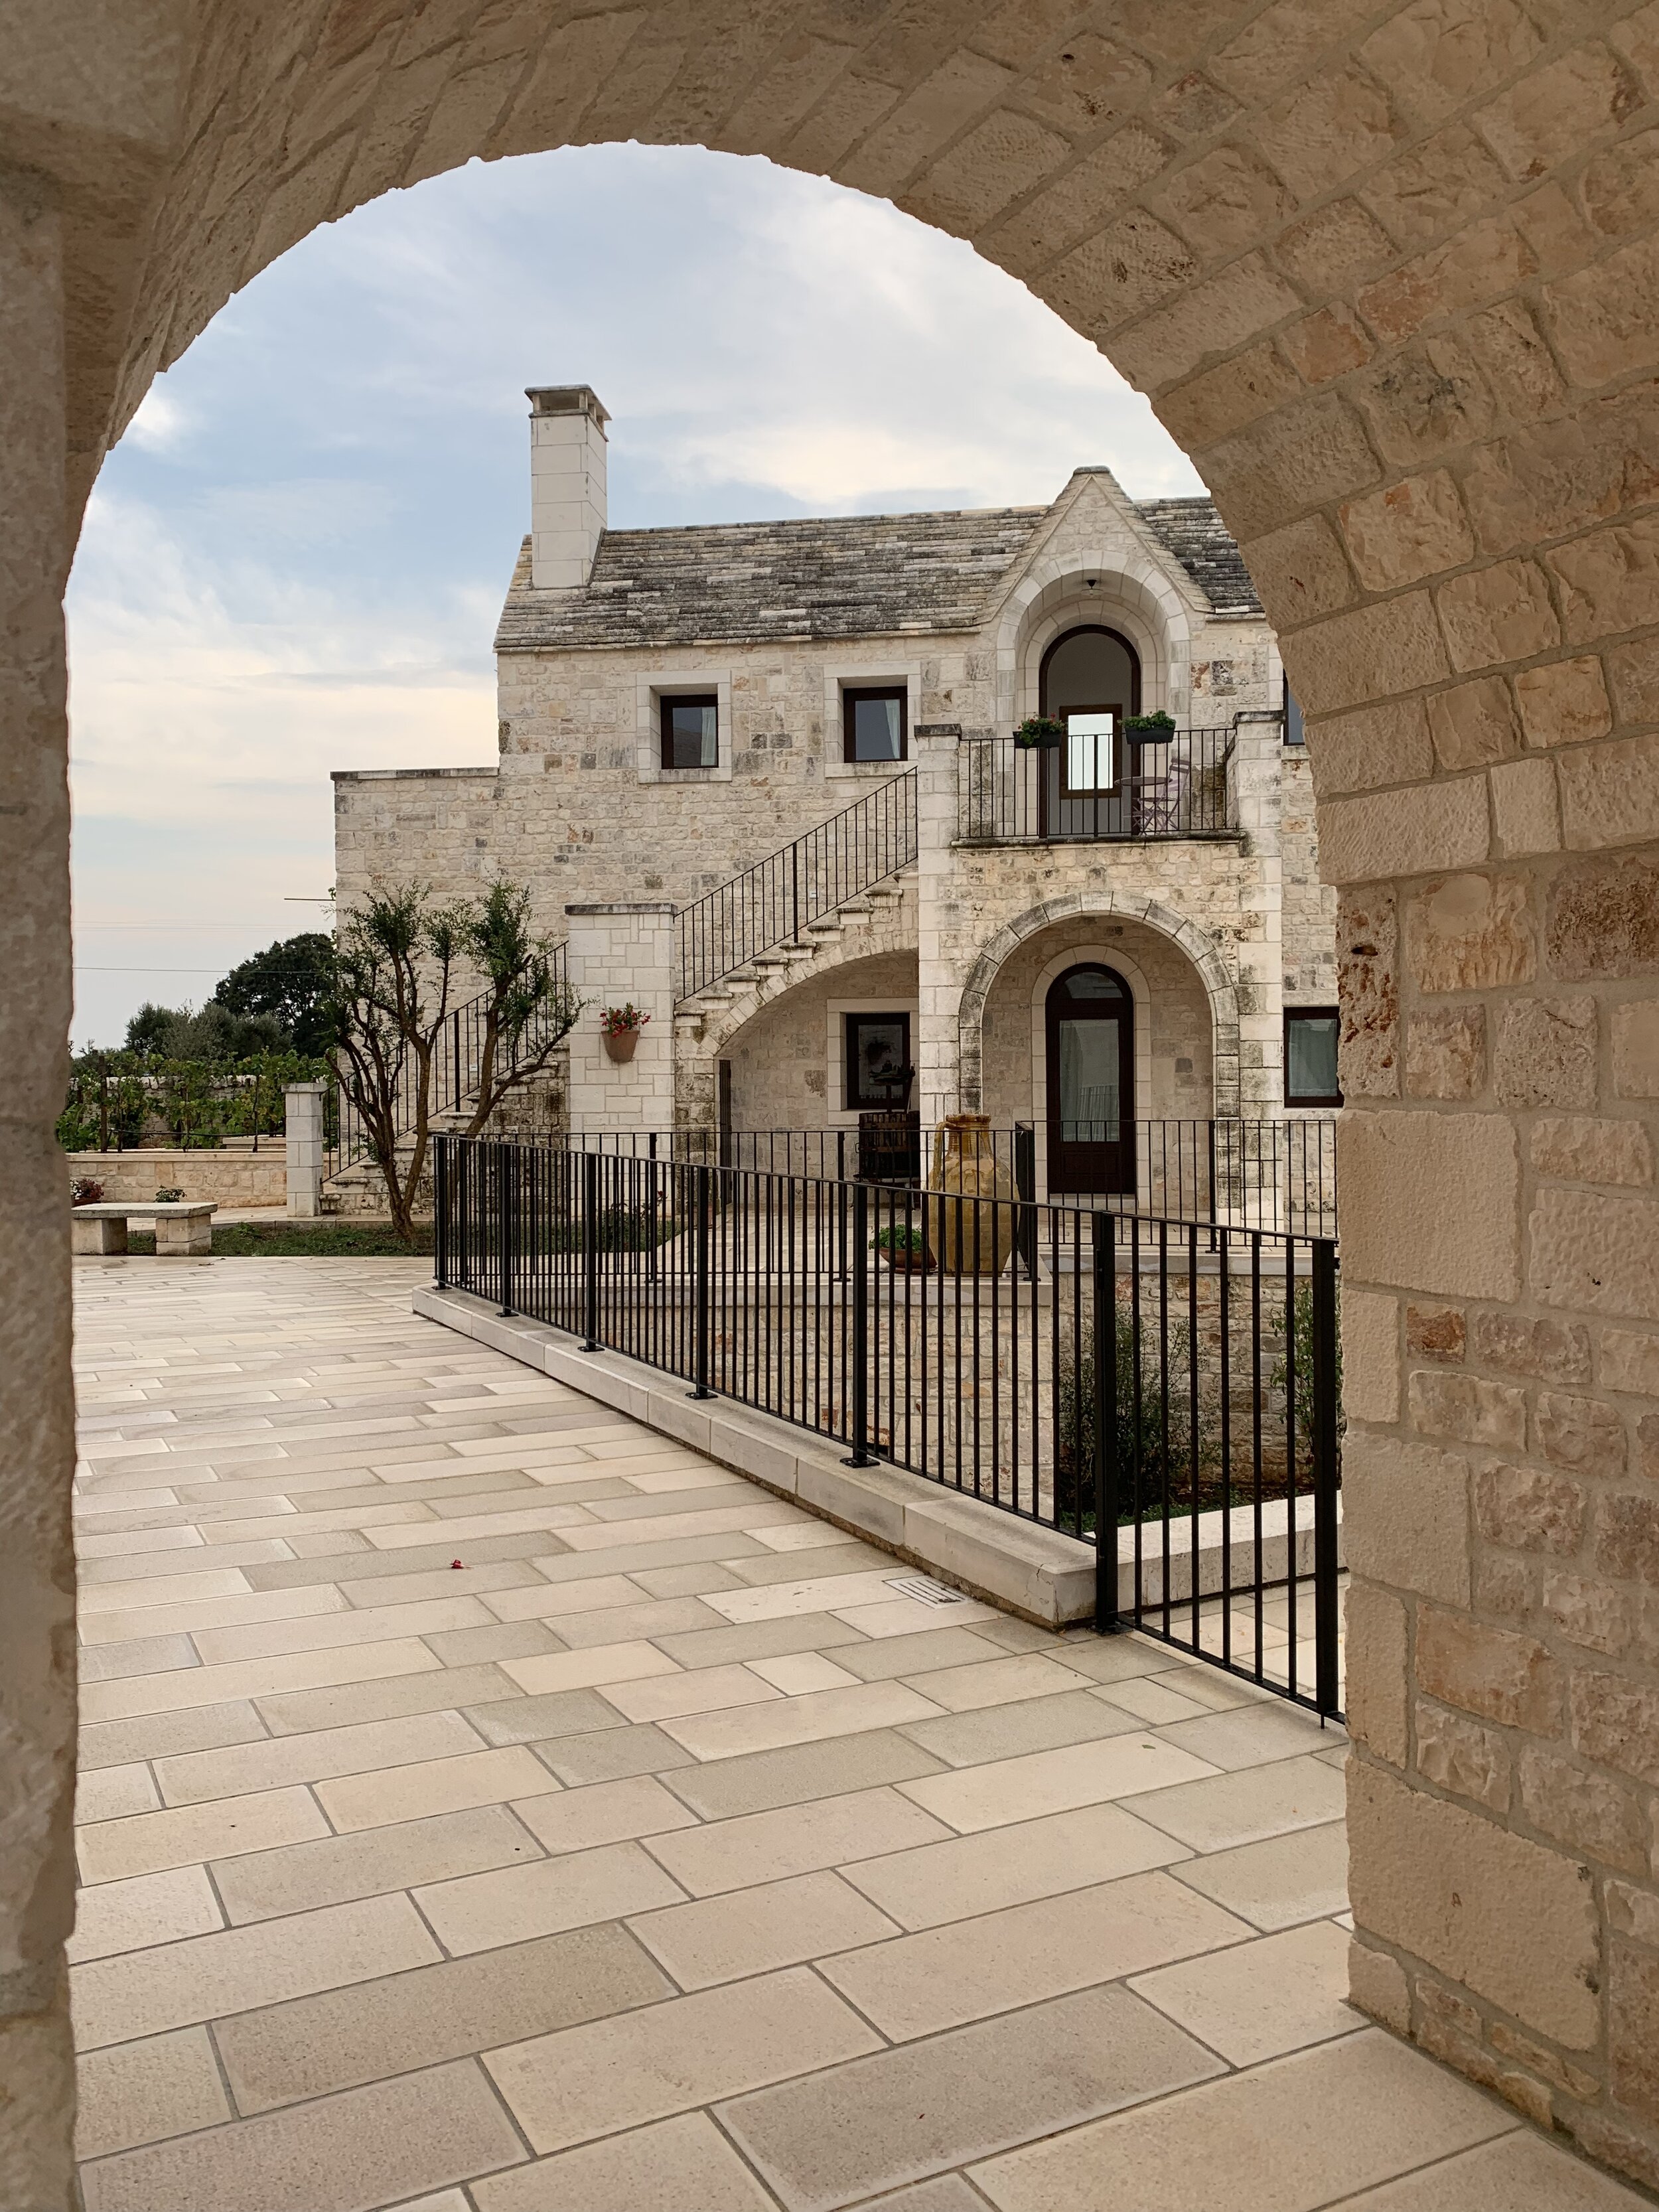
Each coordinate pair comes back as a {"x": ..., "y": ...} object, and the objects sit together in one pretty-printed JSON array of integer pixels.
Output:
[
  {"x": 863, "y": 771},
  {"x": 721, "y": 775}
]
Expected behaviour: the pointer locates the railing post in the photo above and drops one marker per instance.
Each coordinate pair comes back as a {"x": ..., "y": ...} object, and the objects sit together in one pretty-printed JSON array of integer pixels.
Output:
[
  {"x": 463, "y": 1188},
  {"x": 441, "y": 1211},
  {"x": 508, "y": 1199},
  {"x": 862, "y": 1455},
  {"x": 1025, "y": 1235},
  {"x": 794, "y": 892},
  {"x": 590, "y": 1251},
  {"x": 1104, "y": 1234},
  {"x": 700, "y": 1182},
  {"x": 1328, "y": 1695}
]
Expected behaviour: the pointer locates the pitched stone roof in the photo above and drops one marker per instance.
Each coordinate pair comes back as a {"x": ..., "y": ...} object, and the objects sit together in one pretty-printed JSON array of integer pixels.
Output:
[{"x": 856, "y": 575}]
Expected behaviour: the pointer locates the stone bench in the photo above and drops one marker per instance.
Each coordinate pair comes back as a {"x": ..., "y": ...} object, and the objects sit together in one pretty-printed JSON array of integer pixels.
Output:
[{"x": 183, "y": 1229}]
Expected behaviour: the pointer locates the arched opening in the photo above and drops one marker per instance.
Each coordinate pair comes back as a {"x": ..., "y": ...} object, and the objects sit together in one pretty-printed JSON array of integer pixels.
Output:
[
  {"x": 1089, "y": 1020},
  {"x": 1088, "y": 682}
]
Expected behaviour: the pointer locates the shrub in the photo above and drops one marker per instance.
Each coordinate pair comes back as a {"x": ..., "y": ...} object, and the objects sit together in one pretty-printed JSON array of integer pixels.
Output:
[
  {"x": 170, "y": 1195},
  {"x": 1144, "y": 1438},
  {"x": 86, "y": 1190}
]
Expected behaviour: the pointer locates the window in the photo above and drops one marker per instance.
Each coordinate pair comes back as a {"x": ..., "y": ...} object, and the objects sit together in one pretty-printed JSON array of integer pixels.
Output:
[
  {"x": 878, "y": 1070},
  {"x": 1310, "y": 1035},
  {"x": 1294, "y": 732},
  {"x": 1091, "y": 748},
  {"x": 690, "y": 730},
  {"x": 873, "y": 724}
]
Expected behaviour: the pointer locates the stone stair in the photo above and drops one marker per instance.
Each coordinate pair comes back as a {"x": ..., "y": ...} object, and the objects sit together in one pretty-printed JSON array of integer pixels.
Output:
[{"x": 881, "y": 918}]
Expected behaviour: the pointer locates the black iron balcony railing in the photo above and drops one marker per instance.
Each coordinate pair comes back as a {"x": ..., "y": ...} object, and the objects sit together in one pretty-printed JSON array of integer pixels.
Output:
[{"x": 1009, "y": 794}]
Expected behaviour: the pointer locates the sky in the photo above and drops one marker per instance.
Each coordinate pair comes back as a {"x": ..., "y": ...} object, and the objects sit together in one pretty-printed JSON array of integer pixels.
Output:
[{"x": 294, "y": 559}]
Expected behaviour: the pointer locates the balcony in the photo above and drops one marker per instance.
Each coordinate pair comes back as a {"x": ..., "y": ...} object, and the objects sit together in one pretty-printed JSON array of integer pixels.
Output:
[{"x": 1009, "y": 794}]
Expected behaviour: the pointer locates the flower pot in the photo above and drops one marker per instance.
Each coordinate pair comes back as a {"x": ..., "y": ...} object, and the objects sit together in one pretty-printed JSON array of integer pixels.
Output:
[
  {"x": 620, "y": 1043},
  {"x": 907, "y": 1263},
  {"x": 970, "y": 1238}
]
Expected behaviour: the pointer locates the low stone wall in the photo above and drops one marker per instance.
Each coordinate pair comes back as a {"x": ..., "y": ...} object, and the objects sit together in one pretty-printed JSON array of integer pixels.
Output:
[{"x": 231, "y": 1174}]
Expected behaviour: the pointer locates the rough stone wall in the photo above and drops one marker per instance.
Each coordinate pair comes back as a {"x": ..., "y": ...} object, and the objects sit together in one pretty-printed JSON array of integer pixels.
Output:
[
  {"x": 783, "y": 1076},
  {"x": 223, "y": 1175},
  {"x": 1388, "y": 273},
  {"x": 1308, "y": 912}
]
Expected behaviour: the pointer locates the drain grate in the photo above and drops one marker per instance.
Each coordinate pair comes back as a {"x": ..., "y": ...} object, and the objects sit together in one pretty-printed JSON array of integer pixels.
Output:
[{"x": 924, "y": 1589}]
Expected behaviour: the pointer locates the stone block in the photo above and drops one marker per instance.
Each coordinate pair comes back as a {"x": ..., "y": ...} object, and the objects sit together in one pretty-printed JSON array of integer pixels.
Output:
[
  {"x": 1581, "y": 1433},
  {"x": 1465, "y": 1409},
  {"x": 1606, "y": 578},
  {"x": 1350, "y": 659},
  {"x": 1503, "y": 1677},
  {"x": 1610, "y": 794},
  {"x": 1497, "y": 614},
  {"x": 1506, "y": 1917},
  {"x": 1373, "y": 747},
  {"x": 1377, "y": 1986},
  {"x": 1563, "y": 703},
  {"x": 1502, "y": 1587},
  {"x": 1585, "y": 1811},
  {"x": 1615, "y": 1722},
  {"x": 1628, "y": 1538},
  {"x": 1406, "y": 1515},
  {"x": 1370, "y": 1356},
  {"x": 1526, "y": 1509},
  {"x": 1431, "y": 1202},
  {"x": 1524, "y": 812},
  {"x": 1456, "y": 1753},
  {"x": 1630, "y": 1361},
  {"x": 1603, "y": 920},
  {"x": 1558, "y": 110},
  {"x": 1473, "y": 724},
  {"x": 1633, "y": 2029},
  {"x": 1587, "y": 1612},
  {"x": 1446, "y": 1053},
  {"x": 1435, "y": 1332},
  {"x": 1635, "y": 1049},
  {"x": 1414, "y": 529},
  {"x": 1594, "y": 1254},
  {"x": 1557, "y": 1351},
  {"x": 1469, "y": 932},
  {"x": 1304, "y": 572},
  {"x": 1546, "y": 1053},
  {"x": 1520, "y": 372},
  {"x": 1427, "y": 399},
  {"x": 1374, "y": 1637},
  {"x": 1366, "y": 942},
  {"x": 1417, "y": 831}
]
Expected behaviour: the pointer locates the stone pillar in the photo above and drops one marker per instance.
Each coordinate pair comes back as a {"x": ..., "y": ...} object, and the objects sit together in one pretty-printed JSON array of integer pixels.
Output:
[
  {"x": 303, "y": 1121},
  {"x": 1256, "y": 777},
  {"x": 620, "y": 953},
  {"x": 37, "y": 1406},
  {"x": 939, "y": 989}
]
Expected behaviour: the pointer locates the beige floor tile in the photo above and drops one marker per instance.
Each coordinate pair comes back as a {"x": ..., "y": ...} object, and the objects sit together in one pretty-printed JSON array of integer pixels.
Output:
[
  {"x": 344, "y": 2038},
  {"x": 163, "y": 1590},
  {"x": 295, "y": 1526},
  {"x": 337, "y": 1868},
  {"x": 300, "y": 1712},
  {"x": 652, "y": 1618},
  {"x": 1251, "y": 1736},
  {"x": 210, "y": 1613},
  {"x": 806, "y": 1593},
  {"x": 686, "y": 1581},
  {"x": 113, "y": 1793},
  {"x": 754, "y": 1931},
  {"x": 1276, "y": 1883},
  {"x": 946, "y": 1976},
  {"x": 1518, "y": 2172},
  {"x": 757, "y": 1511},
  {"x": 586, "y": 2082},
  {"x": 800, "y": 1720},
  {"x": 1054, "y": 1781},
  {"x": 553, "y": 1515},
  {"x": 577, "y": 1670},
  {"x": 262, "y": 1639},
  {"x": 683, "y": 2164},
  {"x": 760, "y": 1568},
  {"x": 997, "y": 1681},
  {"x": 159, "y": 1736},
  {"x": 485, "y": 1580},
  {"x": 607, "y": 1813},
  {"x": 502, "y": 1639},
  {"x": 142, "y": 2092},
  {"x": 841, "y": 2136},
  {"x": 367, "y": 2148},
  {"x": 150, "y": 1908},
  {"x": 1000, "y": 1867},
  {"x": 143, "y": 1992},
  {"x": 1012, "y": 1731},
  {"x": 611, "y": 1754},
  {"x": 799, "y": 1772},
  {"x": 1150, "y": 1699},
  {"x": 531, "y": 1720},
  {"x": 280, "y": 1760},
  {"x": 168, "y": 1567},
  {"x": 436, "y": 1785},
  {"x": 541, "y": 1600},
  {"x": 948, "y": 2192},
  {"x": 150, "y": 1841},
  {"x": 799, "y": 1673},
  {"x": 1113, "y": 1658},
  {"x": 1261, "y": 1999},
  {"x": 801, "y": 1536},
  {"x": 1215, "y": 1814},
  {"x": 704, "y": 1690},
  {"x": 883, "y": 1658},
  {"x": 794, "y": 1839},
  {"x": 253, "y": 1678},
  {"x": 1284, "y": 2137},
  {"x": 763, "y": 1639},
  {"x": 908, "y": 1616},
  {"x": 481, "y": 1912}
]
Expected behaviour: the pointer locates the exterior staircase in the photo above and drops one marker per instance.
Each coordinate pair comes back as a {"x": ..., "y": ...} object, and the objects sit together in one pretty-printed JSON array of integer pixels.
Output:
[{"x": 881, "y": 918}]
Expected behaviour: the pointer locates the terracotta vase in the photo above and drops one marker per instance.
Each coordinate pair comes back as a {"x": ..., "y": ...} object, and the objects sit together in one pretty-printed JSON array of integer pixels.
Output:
[
  {"x": 620, "y": 1043},
  {"x": 970, "y": 1239}
]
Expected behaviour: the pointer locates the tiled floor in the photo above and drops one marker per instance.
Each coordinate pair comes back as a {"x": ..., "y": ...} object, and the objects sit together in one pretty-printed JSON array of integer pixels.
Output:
[{"x": 490, "y": 1807}]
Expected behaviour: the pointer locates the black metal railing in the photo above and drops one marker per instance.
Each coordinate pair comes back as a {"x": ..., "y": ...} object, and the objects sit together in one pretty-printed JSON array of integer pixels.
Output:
[
  {"x": 1009, "y": 794},
  {"x": 772, "y": 903},
  {"x": 1245, "y": 1173},
  {"x": 457, "y": 1070},
  {"x": 1172, "y": 1385}
]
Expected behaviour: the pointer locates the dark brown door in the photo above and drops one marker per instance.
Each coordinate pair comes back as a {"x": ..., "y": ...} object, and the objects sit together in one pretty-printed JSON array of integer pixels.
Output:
[
  {"x": 1090, "y": 1071},
  {"x": 1089, "y": 681}
]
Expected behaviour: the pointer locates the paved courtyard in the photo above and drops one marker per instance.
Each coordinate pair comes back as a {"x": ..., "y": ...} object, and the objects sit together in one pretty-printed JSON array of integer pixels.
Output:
[{"x": 489, "y": 1806}]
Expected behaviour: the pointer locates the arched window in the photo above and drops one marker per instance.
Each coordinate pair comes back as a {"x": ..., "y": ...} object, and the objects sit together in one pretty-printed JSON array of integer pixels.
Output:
[{"x": 1089, "y": 670}]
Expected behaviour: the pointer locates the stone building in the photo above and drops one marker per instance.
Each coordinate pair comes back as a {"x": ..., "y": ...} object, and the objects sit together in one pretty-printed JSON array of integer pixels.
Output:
[{"x": 764, "y": 778}]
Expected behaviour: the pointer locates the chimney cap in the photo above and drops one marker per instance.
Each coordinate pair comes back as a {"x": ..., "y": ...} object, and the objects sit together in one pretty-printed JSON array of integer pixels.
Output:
[{"x": 566, "y": 399}]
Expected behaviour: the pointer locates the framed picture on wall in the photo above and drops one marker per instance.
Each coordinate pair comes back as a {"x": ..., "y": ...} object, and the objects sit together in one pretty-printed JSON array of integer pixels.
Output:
[{"x": 878, "y": 1070}]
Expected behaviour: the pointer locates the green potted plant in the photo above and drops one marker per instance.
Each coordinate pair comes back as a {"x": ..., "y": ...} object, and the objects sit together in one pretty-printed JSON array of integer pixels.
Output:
[
  {"x": 1037, "y": 733},
  {"x": 620, "y": 1027},
  {"x": 1149, "y": 729},
  {"x": 904, "y": 1247}
]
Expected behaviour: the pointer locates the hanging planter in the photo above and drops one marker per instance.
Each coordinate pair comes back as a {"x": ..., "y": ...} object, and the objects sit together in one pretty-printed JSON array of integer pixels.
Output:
[
  {"x": 1149, "y": 729},
  {"x": 620, "y": 1027},
  {"x": 1038, "y": 734}
]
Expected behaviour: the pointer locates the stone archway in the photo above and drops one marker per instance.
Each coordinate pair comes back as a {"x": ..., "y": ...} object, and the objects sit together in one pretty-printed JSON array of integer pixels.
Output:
[{"x": 1388, "y": 273}]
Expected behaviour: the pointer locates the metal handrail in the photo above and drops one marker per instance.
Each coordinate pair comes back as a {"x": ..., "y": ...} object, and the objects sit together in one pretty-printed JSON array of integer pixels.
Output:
[
  {"x": 1184, "y": 786},
  {"x": 773, "y": 901}
]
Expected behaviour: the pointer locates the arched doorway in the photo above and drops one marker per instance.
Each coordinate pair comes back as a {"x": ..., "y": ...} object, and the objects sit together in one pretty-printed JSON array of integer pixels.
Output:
[
  {"x": 1090, "y": 679},
  {"x": 1091, "y": 1046}
]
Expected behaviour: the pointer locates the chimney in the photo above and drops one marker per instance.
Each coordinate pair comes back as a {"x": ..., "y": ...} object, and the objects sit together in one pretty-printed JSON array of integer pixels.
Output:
[{"x": 567, "y": 484}]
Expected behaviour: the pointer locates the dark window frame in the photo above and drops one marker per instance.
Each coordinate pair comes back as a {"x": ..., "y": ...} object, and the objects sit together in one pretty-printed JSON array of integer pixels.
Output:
[
  {"x": 850, "y": 695},
  {"x": 853, "y": 1099},
  {"x": 1296, "y": 735},
  {"x": 667, "y": 703},
  {"x": 1292, "y": 1015}
]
